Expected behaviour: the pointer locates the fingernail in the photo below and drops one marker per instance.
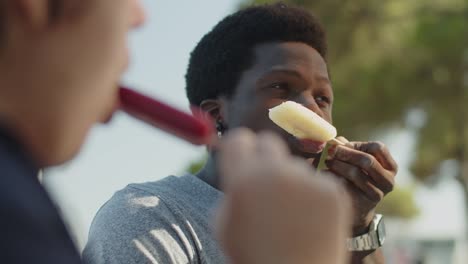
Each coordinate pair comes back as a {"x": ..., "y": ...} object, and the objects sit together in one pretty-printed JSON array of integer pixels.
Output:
[{"x": 331, "y": 152}]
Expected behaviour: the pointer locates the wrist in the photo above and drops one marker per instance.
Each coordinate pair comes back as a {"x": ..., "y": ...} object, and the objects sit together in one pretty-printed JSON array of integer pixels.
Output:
[
  {"x": 372, "y": 239},
  {"x": 362, "y": 226}
]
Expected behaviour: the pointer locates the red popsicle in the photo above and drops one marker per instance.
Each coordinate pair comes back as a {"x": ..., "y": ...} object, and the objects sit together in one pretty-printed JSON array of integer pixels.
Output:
[{"x": 196, "y": 129}]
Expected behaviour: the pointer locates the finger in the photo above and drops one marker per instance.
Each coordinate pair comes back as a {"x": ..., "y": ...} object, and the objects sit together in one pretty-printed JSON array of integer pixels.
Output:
[
  {"x": 236, "y": 145},
  {"x": 380, "y": 152},
  {"x": 342, "y": 139},
  {"x": 384, "y": 179},
  {"x": 339, "y": 180},
  {"x": 357, "y": 178},
  {"x": 235, "y": 152},
  {"x": 271, "y": 146}
]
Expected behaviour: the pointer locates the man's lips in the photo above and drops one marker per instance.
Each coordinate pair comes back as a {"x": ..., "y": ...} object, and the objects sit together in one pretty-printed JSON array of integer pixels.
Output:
[
  {"x": 116, "y": 102},
  {"x": 311, "y": 146}
]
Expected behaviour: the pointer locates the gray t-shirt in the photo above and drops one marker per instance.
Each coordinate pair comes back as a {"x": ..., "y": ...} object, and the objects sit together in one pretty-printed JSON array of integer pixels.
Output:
[{"x": 167, "y": 221}]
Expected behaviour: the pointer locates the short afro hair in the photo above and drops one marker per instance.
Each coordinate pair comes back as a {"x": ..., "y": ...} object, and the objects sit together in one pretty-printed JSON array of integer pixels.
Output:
[{"x": 217, "y": 62}]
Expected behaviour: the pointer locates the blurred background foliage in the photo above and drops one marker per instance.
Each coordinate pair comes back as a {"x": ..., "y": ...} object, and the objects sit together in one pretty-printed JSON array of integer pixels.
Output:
[{"x": 399, "y": 204}]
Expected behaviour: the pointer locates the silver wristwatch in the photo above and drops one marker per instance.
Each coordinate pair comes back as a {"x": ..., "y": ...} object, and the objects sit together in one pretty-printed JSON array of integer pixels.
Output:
[{"x": 370, "y": 241}]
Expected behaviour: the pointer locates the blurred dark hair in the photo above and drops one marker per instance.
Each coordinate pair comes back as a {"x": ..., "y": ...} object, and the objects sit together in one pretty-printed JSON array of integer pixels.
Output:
[{"x": 218, "y": 60}]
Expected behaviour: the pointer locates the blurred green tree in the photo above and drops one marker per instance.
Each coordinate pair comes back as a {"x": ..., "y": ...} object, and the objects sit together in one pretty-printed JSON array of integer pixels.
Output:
[
  {"x": 196, "y": 165},
  {"x": 400, "y": 203}
]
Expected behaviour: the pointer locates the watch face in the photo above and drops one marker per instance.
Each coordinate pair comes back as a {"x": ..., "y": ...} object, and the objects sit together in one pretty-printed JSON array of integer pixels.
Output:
[{"x": 381, "y": 232}]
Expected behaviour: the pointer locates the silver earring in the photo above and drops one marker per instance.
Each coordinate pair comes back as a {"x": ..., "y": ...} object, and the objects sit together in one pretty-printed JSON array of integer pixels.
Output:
[{"x": 220, "y": 128}]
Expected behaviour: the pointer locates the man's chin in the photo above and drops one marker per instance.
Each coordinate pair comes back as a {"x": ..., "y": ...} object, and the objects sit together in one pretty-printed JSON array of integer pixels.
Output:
[
  {"x": 107, "y": 119},
  {"x": 307, "y": 155},
  {"x": 311, "y": 158},
  {"x": 305, "y": 148},
  {"x": 111, "y": 109}
]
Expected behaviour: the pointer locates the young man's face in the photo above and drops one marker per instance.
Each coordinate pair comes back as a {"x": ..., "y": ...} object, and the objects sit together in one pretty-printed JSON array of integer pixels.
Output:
[
  {"x": 72, "y": 63},
  {"x": 288, "y": 71}
]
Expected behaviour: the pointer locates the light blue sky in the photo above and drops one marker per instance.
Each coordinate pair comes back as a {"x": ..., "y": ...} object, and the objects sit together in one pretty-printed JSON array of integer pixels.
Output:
[{"x": 128, "y": 151}]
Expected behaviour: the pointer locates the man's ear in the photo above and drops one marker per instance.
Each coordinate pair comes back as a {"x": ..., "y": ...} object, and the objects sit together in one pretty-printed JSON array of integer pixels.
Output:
[
  {"x": 214, "y": 108},
  {"x": 34, "y": 14}
]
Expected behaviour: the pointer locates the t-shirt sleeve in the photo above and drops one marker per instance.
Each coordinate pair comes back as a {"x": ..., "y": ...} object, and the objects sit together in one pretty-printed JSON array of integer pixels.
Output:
[{"x": 137, "y": 227}]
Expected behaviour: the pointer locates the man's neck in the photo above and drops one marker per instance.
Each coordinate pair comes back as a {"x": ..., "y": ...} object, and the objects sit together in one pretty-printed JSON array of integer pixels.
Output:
[
  {"x": 209, "y": 172},
  {"x": 25, "y": 127},
  {"x": 25, "y": 105},
  {"x": 10, "y": 142}
]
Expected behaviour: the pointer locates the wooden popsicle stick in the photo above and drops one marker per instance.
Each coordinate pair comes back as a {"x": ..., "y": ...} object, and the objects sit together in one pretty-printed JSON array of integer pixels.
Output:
[
  {"x": 332, "y": 142},
  {"x": 335, "y": 141}
]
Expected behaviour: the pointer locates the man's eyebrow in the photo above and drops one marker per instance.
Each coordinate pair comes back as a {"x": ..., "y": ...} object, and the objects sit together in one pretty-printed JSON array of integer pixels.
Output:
[
  {"x": 323, "y": 78},
  {"x": 297, "y": 74},
  {"x": 280, "y": 71}
]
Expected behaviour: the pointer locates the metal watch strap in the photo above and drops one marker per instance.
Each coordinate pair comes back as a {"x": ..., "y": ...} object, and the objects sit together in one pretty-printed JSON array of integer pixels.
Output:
[
  {"x": 365, "y": 242},
  {"x": 369, "y": 241}
]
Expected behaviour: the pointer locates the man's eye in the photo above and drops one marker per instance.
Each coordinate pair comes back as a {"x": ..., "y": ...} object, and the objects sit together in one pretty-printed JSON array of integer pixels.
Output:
[
  {"x": 280, "y": 86},
  {"x": 322, "y": 100}
]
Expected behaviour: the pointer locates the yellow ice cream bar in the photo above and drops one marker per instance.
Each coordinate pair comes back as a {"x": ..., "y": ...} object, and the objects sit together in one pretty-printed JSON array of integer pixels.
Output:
[{"x": 302, "y": 122}]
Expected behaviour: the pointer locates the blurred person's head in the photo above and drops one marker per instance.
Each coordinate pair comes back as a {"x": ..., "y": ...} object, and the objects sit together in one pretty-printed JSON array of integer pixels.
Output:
[
  {"x": 60, "y": 63},
  {"x": 256, "y": 59}
]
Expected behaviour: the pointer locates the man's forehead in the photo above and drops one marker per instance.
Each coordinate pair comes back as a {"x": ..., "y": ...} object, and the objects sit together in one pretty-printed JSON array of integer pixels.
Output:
[
  {"x": 291, "y": 58},
  {"x": 288, "y": 56}
]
